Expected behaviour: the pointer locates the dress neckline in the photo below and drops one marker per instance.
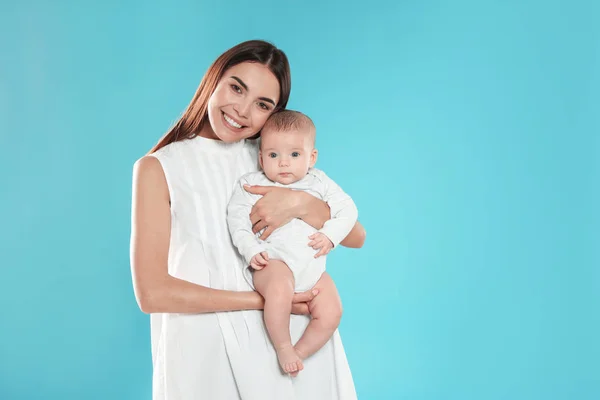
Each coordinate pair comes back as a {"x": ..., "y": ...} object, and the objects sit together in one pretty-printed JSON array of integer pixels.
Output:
[{"x": 213, "y": 145}]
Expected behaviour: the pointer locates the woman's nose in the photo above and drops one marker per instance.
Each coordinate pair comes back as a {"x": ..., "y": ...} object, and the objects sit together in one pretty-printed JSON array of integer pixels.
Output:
[{"x": 242, "y": 108}]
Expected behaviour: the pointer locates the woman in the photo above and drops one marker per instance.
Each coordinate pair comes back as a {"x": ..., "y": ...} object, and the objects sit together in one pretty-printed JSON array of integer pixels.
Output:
[{"x": 208, "y": 339}]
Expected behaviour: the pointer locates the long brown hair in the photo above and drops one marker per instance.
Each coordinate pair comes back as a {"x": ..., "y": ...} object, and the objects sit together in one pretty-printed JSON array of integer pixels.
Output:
[{"x": 196, "y": 113}]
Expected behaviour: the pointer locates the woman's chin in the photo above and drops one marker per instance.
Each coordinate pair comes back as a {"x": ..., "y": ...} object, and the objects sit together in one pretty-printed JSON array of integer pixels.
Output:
[{"x": 232, "y": 137}]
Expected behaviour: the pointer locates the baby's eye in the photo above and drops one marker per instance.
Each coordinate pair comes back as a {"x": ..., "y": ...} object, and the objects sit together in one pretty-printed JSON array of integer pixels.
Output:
[
  {"x": 272, "y": 155},
  {"x": 295, "y": 154}
]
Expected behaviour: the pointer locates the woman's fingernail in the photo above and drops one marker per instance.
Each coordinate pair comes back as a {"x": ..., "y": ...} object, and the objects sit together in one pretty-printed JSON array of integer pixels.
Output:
[{"x": 315, "y": 292}]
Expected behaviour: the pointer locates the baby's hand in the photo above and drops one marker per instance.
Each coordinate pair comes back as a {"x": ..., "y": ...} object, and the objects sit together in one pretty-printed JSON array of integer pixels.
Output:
[
  {"x": 259, "y": 261},
  {"x": 321, "y": 242}
]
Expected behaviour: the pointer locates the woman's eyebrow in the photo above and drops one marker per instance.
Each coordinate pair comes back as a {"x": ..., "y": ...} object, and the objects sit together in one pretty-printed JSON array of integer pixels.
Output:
[
  {"x": 242, "y": 84},
  {"x": 268, "y": 100}
]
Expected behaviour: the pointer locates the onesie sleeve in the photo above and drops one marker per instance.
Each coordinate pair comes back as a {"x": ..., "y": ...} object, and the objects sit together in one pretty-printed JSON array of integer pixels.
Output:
[
  {"x": 238, "y": 220},
  {"x": 344, "y": 213}
]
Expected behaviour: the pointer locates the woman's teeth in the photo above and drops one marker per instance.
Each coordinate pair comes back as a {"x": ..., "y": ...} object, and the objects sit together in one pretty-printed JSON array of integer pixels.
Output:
[{"x": 231, "y": 122}]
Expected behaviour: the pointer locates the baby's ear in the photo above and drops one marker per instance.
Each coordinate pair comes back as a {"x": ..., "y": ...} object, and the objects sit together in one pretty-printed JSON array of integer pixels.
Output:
[
  {"x": 260, "y": 158},
  {"x": 313, "y": 158}
]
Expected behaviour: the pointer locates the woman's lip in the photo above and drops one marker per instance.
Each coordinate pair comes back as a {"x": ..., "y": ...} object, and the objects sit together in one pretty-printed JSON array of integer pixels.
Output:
[{"x": 223, "y": 113}]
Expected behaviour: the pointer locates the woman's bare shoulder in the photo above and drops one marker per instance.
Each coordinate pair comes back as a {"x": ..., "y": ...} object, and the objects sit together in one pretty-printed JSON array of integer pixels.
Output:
[
  {"x": 147, "y": 166},
  {"x": 148, "y": 175}
]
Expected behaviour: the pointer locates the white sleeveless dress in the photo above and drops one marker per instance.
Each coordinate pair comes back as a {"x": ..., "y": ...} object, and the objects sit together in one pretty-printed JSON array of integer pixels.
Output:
[{"x": 224, "y": 355}]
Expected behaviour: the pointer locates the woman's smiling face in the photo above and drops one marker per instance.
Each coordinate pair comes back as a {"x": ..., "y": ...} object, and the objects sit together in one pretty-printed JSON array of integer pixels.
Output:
[{"x": 244, "y": 98}]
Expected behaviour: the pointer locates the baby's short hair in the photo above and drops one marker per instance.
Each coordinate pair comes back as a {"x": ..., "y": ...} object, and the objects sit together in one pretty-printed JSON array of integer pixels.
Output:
[{"x": 287, "y": 120}]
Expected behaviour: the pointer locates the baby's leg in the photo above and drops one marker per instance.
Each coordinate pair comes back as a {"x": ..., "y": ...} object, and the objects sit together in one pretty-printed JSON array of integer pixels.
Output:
[
  {"x": 275, "y": 283},
  {"x": 326, "y": 311}
]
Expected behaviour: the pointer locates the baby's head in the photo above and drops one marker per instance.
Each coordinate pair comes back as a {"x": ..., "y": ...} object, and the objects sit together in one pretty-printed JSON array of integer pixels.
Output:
[{"x": 287, "y": 148}]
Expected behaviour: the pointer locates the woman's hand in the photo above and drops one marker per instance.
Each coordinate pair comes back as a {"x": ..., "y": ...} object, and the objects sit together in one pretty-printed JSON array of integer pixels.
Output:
[
  {"x": 277, "y": 207},
  {"x": 300, "y": 301}
]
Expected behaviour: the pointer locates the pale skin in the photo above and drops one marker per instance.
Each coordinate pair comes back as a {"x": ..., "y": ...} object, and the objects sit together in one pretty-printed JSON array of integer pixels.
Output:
[
  {"x": 285, "y": 158},
  {"x": 155, "y": 289}
]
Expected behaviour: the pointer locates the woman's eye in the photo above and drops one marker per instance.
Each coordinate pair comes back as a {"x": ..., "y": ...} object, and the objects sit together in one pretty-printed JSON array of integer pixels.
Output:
[
  {"x": 272, "y": 155},
  {"x": 295, "y": 154},
  {"x": 236, "y": 88},
  {"x": 263, "y": 106}
]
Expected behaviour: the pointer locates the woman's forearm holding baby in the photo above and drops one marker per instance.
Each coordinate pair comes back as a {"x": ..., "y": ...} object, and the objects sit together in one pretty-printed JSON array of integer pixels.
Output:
[
  {"x": 173, "y": 295},
  {"x": 356, "y": 238},
  {"x": 278, "y": 206},
  {"x": 316, "y": 212},
  {"x": 311, "y": 210}
]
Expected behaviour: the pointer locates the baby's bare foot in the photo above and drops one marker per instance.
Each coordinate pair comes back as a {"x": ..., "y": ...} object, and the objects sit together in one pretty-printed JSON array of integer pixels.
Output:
[
  {"x": 302, "y": 358},
  {"x": 289, "y": 360}
]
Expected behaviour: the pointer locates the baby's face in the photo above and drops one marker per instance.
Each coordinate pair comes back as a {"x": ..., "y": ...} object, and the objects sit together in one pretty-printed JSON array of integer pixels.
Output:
[{"x": 285, "y": 157}]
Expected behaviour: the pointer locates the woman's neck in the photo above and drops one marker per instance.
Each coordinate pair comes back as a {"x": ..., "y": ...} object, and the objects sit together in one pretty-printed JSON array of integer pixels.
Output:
[{"x": 207, "y": 132}]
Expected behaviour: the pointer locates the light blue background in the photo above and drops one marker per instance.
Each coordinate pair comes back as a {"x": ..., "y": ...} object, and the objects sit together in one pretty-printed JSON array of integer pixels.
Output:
[{"x": 467, "y": 132}]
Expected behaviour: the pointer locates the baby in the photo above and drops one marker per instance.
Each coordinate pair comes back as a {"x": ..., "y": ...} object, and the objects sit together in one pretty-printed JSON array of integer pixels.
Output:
[{"x": 285, "y": 262}]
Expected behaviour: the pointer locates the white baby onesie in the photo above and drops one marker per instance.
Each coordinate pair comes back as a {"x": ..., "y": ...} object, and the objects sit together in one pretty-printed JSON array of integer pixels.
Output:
[{"x": 289, "y": 243}]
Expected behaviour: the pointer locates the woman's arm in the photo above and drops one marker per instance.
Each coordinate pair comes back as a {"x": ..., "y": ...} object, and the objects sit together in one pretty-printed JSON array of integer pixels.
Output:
[
  {"x": 316, "y": 212},
  {"x": 356, "y": 238},
  {"x": 155, "y": 290},
  {"x": 280, "y": 205}
]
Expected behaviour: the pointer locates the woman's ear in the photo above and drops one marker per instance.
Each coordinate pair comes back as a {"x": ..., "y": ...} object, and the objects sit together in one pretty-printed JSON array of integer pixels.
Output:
[{"x": 313, "y": 157}]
